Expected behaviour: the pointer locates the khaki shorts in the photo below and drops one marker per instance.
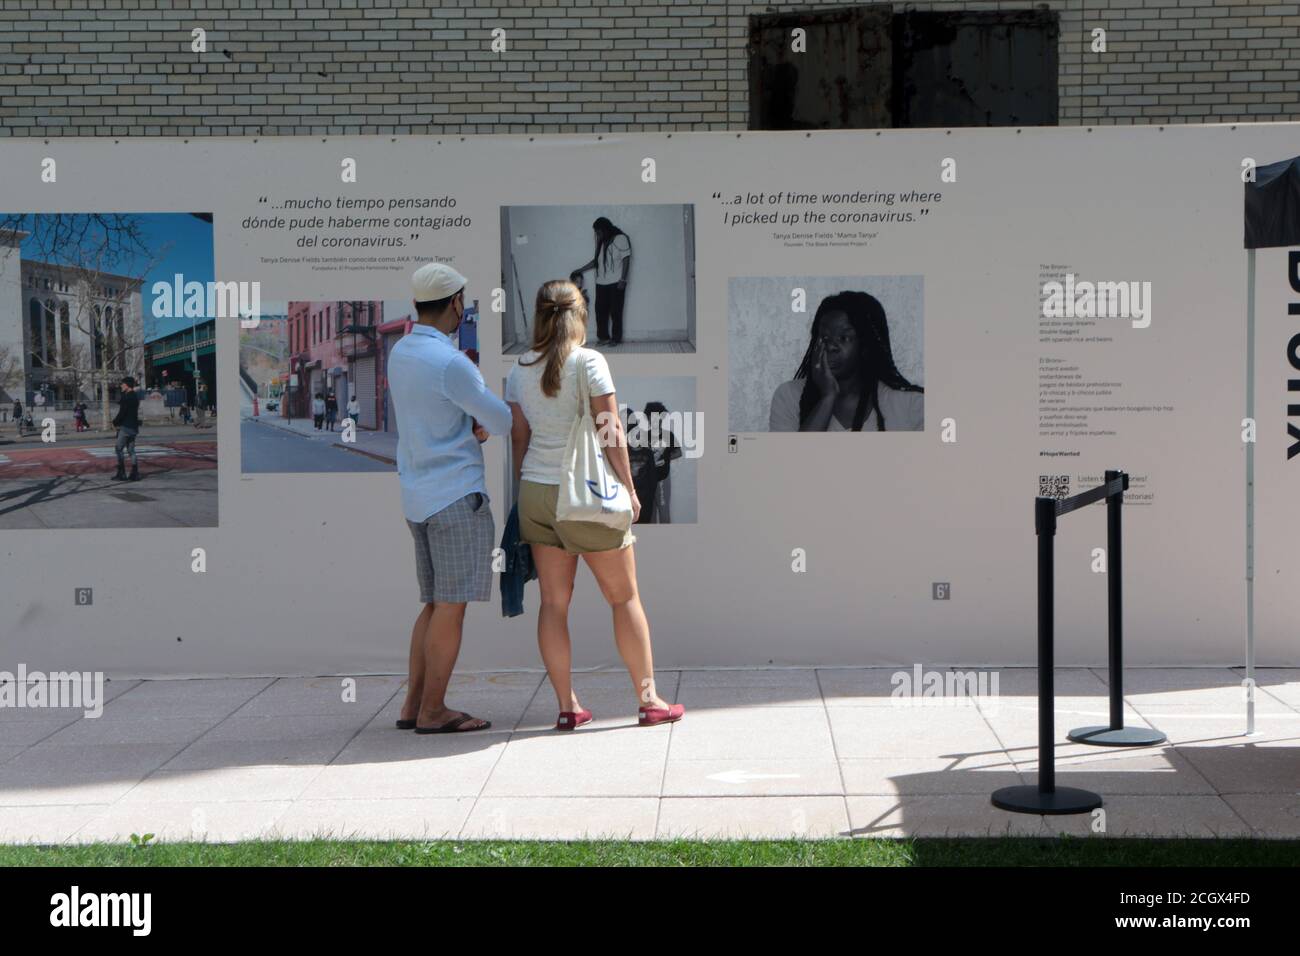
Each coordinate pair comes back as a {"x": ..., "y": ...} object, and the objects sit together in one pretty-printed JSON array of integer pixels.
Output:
[{"x": 537, "y": 524}]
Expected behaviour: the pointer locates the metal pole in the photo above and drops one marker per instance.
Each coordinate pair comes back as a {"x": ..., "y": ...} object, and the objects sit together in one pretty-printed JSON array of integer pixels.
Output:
[
  {"x": 1045, "y": 525},
  {"x": 1114, "y": 603},
  {"x": 1046, "y": 797},
  {"x": 1250, "y": 494},
  {"x": 1115, "y": 734}
]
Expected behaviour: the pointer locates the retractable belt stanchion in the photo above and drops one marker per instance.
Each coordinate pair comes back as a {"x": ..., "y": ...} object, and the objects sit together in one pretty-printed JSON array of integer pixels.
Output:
[
  {"x": 1047, "y": 797},
  {"x": 1115, "y": 734}
]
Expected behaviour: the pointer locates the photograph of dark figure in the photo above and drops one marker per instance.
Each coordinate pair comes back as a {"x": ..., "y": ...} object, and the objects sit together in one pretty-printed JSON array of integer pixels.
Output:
[
  {"x": 652, "y": 448},
  {"x": 612, "y": 261},
  {"x": 661, "y": 428},
  {"x": 847, "y": 380},
  {"x": 127, "y": 423}
]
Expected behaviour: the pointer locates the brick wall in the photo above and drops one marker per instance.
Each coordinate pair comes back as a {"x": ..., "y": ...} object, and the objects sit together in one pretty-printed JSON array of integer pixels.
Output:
[{"x": 125, "y": 68}]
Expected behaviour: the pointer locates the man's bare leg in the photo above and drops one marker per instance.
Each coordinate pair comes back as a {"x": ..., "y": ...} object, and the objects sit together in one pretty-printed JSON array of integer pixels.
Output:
[
  {"x": 441, "y": 648},
  {"x": 415, "y": 665}
]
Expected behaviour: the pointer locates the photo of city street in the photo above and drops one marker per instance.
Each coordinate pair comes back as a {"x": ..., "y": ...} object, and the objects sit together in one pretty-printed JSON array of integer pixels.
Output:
[
  {"x": 307, "y": 370},
  {"x": 107, "y": 405}
]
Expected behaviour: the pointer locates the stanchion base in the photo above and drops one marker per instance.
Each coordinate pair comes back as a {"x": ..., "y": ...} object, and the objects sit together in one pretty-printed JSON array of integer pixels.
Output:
[
  {"x": 1029, "y": 799},
  {"x": 1105, "y": 736}
]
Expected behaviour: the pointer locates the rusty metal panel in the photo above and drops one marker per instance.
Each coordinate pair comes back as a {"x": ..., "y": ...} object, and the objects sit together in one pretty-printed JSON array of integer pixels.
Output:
[
  {"x": 842, "y": 81},
  {"x": 984, "y": 68}
]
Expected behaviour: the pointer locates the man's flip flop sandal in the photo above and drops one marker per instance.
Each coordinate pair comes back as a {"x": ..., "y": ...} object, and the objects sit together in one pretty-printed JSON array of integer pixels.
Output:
[
  {"x": 453, "y": 726},
  {"x": 405, "y": 724}
]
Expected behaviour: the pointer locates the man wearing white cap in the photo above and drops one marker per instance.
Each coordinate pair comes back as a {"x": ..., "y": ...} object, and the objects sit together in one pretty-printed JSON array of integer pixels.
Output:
[{"x": 444, "y": 410}]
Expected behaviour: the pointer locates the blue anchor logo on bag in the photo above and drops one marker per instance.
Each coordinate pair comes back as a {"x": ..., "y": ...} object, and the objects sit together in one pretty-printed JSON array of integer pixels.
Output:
[{"x": 596, "y": 489}]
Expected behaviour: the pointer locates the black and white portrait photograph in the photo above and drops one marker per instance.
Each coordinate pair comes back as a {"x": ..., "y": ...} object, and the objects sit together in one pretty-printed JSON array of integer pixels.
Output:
[
  {"x": 635, "y": 266},
  {"x": 665, "y": 439},
  {"x": 826, "y": 354}
]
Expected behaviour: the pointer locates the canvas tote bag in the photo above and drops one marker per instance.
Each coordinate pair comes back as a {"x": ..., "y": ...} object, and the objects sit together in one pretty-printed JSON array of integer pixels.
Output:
[{"x": 589, "y": 489}]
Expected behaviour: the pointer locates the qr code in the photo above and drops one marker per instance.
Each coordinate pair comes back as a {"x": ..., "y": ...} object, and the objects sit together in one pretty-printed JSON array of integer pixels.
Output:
[{"x": 1053, "y": 486}]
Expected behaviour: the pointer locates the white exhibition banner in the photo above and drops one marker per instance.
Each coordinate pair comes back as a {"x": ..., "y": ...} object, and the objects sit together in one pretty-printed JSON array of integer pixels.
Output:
[{"x": 1036, "y": 306}]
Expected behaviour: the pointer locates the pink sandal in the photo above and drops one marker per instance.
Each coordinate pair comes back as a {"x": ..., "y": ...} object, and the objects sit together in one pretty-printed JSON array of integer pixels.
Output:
[
  {"x": 571, "y": 720},
  {"x": 650, "y": 716}
]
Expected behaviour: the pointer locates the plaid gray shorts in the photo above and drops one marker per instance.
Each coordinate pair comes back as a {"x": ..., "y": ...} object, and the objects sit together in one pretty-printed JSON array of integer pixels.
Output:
[{"x": 453, "y": 552}]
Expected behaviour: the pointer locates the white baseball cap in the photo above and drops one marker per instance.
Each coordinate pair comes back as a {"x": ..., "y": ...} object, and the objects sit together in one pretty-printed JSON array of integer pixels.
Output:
[{"x": 435, "y": 281}]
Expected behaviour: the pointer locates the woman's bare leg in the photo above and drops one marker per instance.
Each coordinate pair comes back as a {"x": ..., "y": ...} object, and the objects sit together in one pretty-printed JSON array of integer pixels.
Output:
[
  {"x": 555, "y": 571},
  {"x": 615, "y": 572}
]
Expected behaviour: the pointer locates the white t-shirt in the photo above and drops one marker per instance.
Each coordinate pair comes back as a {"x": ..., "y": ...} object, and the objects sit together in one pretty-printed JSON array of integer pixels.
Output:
[
  {"x": 609, "y": 264},
  {"x": 551, "y": 419}
]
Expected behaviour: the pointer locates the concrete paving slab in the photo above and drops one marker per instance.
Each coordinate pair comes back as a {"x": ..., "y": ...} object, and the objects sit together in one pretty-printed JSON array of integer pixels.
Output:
[
  {"x": 1280, "y": 683},
  {"x": 220, "y": 786},
  {"x": 1160, "y": 816},
  {"x": 198, "y": 697},
  {"x": 779, "y": 733},
  {"x": 1272, "y": 815},
  {"x": 751, "y": 778},
  {"x": 752, "y": 818},
  {"x": 201, "y": 821},
  {"x": 45, "y": 824},
  {"x": 133, "y": 729},
  {"x": 562, "y": 818},
  {"x": 892, "y": 776},
  {"x": 410, "y": 818},
  {"x": 1226, "y": 730},
  {"x": 24, "y": 733},
  {"x": 614, "y": 763},
  {"x": 946, "y": 815},
  {"x": 727, "y": 689},
  {"x": 298, "y": 727},
  {"x": 911, "y": 732},
  {"x": 72, "y": 760},
  {"x": 1117, "y": 771},
  {"x": 213, "y": 754},
  {"x": 758, "y": 754},
  {"x": 1249, "y": 767},
  {"x": 65, "y": 787},
  {"x": 859, "y": 686},
  {"x": 320, "y": 696},
  {"x": 406, "y": 766}
]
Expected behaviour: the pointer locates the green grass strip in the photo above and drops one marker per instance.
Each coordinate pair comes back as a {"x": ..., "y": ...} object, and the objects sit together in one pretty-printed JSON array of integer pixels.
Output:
[{"x": 993, "y": 851}]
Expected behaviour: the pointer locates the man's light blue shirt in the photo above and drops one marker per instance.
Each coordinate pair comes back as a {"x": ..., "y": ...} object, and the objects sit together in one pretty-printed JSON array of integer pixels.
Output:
[{"x": 438, "y": 392}]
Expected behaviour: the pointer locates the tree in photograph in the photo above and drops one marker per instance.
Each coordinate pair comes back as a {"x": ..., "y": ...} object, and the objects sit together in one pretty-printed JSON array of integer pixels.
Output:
[
  {"x": 12, "y": 377},
  {"x": 102, "y": 312},
  {"x": 57, "y": 237},
  {"x": 74, "y": 369}
]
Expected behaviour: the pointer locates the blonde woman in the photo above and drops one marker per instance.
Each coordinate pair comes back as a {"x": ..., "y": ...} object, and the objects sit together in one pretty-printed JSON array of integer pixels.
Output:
[{"x": 542, "y": 392}]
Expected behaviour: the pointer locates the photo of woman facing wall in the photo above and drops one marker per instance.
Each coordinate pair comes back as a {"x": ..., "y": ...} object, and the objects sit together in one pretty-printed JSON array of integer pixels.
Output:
[
  {"x": 612, "y": 262},
  {"x": 847, "y": 380},
  {"x": 634, "y": 264},
  {"x": 825, "y": 354}
]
